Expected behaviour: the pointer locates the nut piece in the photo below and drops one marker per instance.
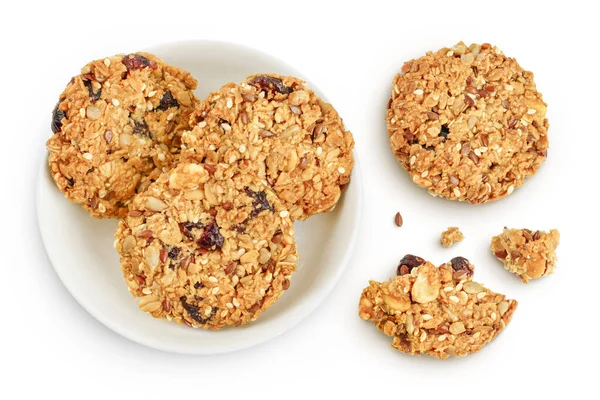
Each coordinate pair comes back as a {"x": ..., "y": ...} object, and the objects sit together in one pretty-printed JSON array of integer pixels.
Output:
[
  {"x": 150, "y": 303},
  {"x": 128, "y": 244},
  {"x": 93, "y": 112},
  {"x": 397, "y": 303},
  {"x": 189, "y": 177},
  {"x": 450, "y": 236},
  {"x": 472, "y": 287},
  {"x": 427, "y": 286},
  {"x": 151, "y": 255},
  {"x": 457, "y": 328},
  {"x": 154, "y": 204}
]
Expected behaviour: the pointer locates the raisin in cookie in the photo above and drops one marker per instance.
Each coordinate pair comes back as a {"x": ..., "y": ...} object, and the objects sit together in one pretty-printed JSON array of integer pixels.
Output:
[
  {"x": 528, "y": 254},
  {"x": 207, "y": 247},
  {"x": 116, "y": 126},
  {"x": 275, "y": 127},
  {"x": 439, "y": 312},
  {"x": 467, "y": 123}
]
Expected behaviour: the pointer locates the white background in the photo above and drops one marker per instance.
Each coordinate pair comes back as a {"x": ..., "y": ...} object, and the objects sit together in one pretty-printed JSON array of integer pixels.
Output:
[{"x": 50, "y": 345}]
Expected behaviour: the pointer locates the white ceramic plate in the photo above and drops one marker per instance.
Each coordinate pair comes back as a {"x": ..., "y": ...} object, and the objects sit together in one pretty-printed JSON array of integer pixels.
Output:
[{"x": 81, "y": 248}]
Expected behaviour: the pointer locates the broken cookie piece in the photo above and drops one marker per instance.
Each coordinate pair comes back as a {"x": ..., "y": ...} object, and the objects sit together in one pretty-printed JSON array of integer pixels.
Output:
[
  {"x": 526, "y": 253},
  {"x": 439, "y": 312},
  {"x": 451, "y": 235}
]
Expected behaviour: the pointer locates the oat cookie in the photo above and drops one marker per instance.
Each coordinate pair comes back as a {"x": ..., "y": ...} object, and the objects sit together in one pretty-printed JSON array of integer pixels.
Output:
[
  {"x": 467, "y": 123},
  {"x": 207, "y": 246},
  {"x": 116, "y": 126},
  {"x": 439, "y": 312},
  {"x": 526, "y": 253},
  {"x": 275, "y": 127},
  {"x": 450, "y": 236}
]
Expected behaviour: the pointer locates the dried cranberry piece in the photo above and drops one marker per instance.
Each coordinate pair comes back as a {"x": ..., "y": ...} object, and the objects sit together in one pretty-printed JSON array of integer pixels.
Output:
[
  {"x": 192, "y": 225},
  {"x": 409, "y": 136},
  {"x": 167, "y": 101},
  {"x": 461, "y": 264},
  {"x": 71, "y": 181},
  {"x": 57, "y": 116},
  {"x": 174, "y": 253},
  {"x": 93, "y": 95},
  {"x": 241, "y": 228},
  {"x": 198, "y": 285},
  {"x": 211, "y": 237},
  {"x": 260, "y": 202},
  {"x": 194, "y": 311},
  {"x": 141, "y": 128},
  {"x": 270, "y": 83},
  {"x": 407, "y": 263},
  {"x": 186, "y": 228},
  {"x": 444, "y": 133},
  {"x": 137, "y": 61}
]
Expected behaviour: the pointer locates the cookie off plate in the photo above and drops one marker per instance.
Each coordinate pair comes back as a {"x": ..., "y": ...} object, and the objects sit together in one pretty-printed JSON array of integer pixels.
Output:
[{"x": 82, "y": 253}]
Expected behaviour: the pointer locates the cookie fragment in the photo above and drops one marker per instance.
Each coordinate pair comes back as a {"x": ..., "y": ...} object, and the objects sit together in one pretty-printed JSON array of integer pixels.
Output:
[
  {"x": 450, "y": 236},
  {"x": 278, "y": 129},
  {"x": 197, "y": 248},
  {"x": 113, "y": 132},
  {"x": 439, "y": 312},
  {"x": 529, "y": 254},
  {"x": 467, "y": 123}
]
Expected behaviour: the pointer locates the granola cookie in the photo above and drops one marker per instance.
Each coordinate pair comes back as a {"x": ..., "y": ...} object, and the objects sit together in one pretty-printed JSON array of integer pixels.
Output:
[
  {"x": 116, "y": 126},
  {"x": 467, "y": 123},
  {"x": 275, "y": 127},
  {"x": 528, "y": 254},
  {"x": 207, "y": 246},
  {"x": 439, "y": 312},
  {"x": 450, "y": 236}
]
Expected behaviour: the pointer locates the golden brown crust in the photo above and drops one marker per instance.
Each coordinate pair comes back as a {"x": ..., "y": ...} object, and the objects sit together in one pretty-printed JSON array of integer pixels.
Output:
[
  {"x": 275, "y": 127},
  {"x": 467, "y": 123},
  {"x": 116, "y": 127}
]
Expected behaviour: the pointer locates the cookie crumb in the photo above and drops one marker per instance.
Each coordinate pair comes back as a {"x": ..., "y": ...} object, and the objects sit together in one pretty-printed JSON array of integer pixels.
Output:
[
  {"x": 451, "y": 235},
  {"x": 526, "y": 253},
  {"x": 398, "y": 220}
]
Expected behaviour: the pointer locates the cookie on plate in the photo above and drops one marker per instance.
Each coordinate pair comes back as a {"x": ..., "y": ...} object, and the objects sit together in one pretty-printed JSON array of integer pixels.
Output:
[
  {"x": 439, "y": 312},
  {"x": 207, "y": 246},
  {"x": 526, "y": 253},
  {"x": 275, "y": 127},
  {"x": 116, "y": 126},
  {"x": 467, "y": 123}
]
